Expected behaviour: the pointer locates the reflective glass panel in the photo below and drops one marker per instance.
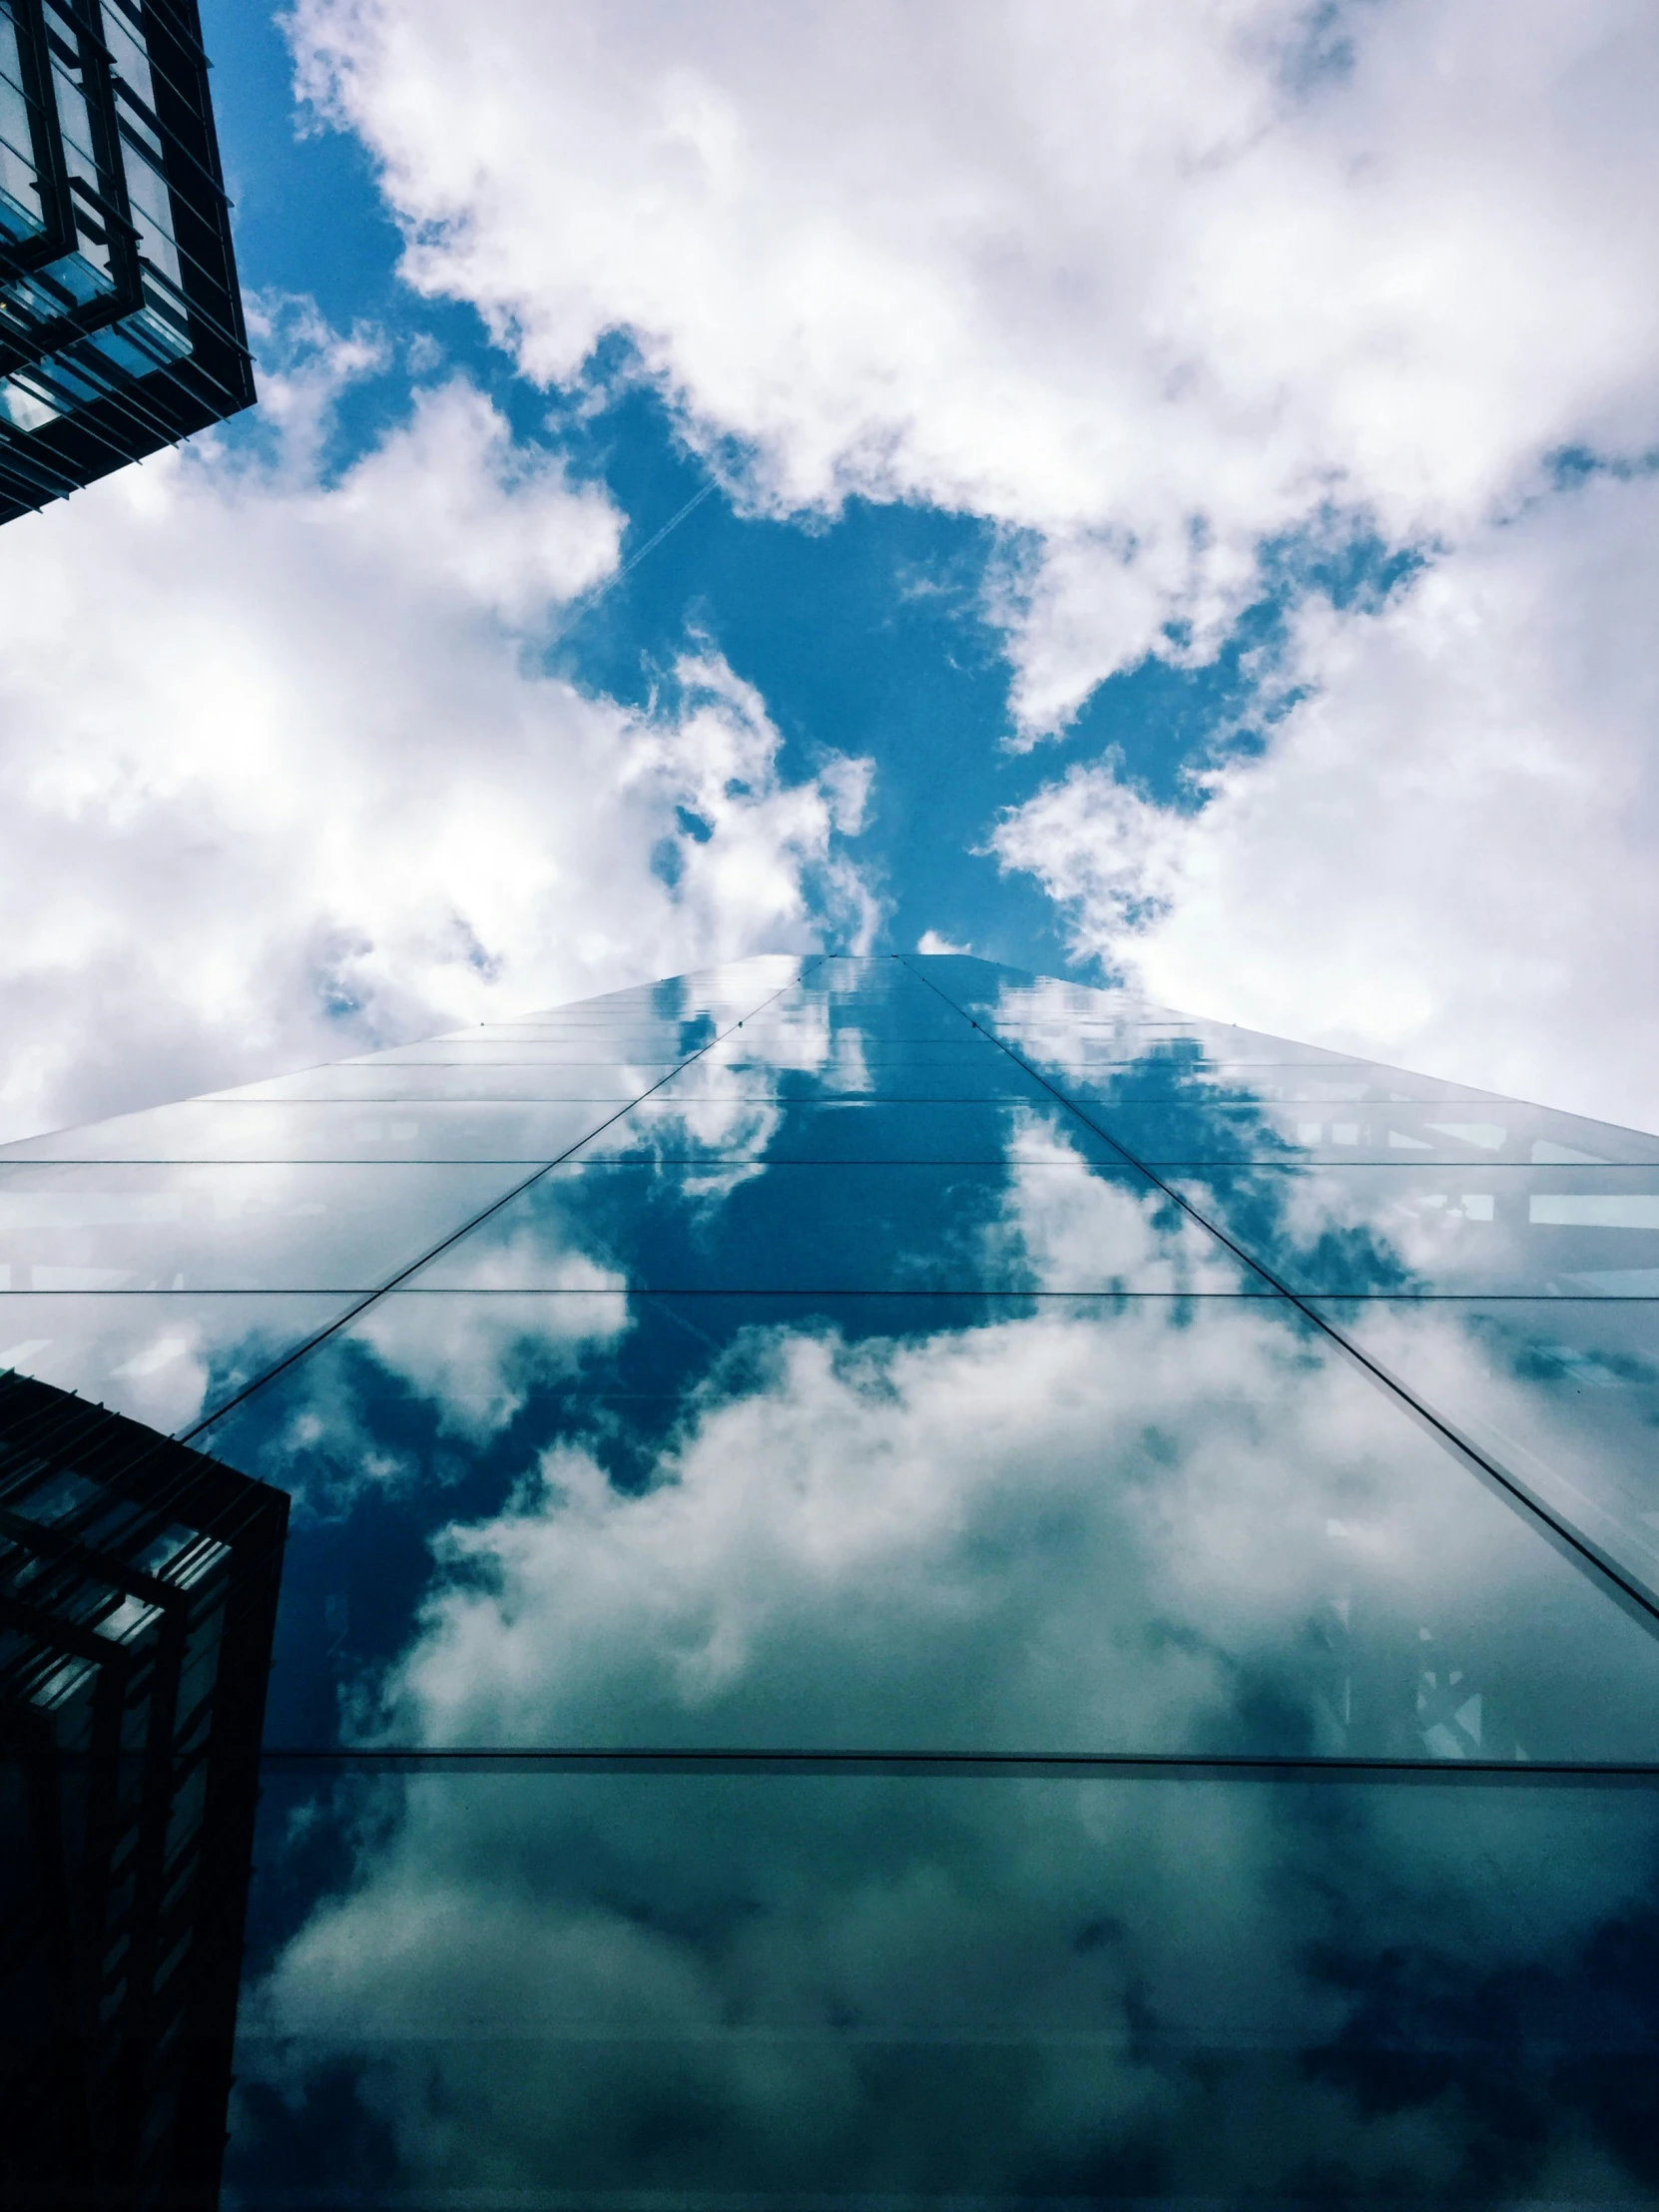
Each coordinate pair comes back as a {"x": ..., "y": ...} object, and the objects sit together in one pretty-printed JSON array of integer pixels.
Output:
[
  {"x": 266, "y": 1225},
  {"x": 1200, "y": 1130},
  {"x": 664, "y": 1048},
  {"x": 329, "y": 1129},
  {"x": 797, "y": 1988},
  {"x": 1131, "y": 1525},
  {"x": 1560, "y": 1394},
  {"x": 856, "y": 1068},
  {"x": 1243, "y": 1082},
  {"x": 842, "y": 1643},
  {"x": 1566, "y": 1229},
  {"x": 673, "y": 1126},
  {"x": 376, "y": 1080},
  {"x": 1036, "y": 1223},
  {"x": 165, "y": 1357}
]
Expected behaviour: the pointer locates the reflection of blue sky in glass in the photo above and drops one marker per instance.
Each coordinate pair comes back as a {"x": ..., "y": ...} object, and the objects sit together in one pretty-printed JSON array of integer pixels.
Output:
[{"x": 891, "y": 1358}]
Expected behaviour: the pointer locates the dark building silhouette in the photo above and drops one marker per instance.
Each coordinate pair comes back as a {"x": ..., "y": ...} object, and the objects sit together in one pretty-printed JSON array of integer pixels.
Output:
[
  {"x": 121, "y": 328},
  {"x": 138, "y": 1595}
]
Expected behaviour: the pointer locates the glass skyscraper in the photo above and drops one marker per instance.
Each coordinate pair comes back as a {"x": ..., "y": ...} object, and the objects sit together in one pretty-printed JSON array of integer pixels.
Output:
[
  {"x": 906, "y": 1584},
  {"x": 121, "y": 324}
]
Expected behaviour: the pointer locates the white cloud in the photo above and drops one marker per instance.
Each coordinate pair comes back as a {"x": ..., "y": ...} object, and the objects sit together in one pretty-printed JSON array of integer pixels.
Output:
[
  {"x": 1151, "y": 283},
  {"x": 1445, "y": 858},
  {"x": 281, "y": 776},
  {"x": 1148, "y": 288}
]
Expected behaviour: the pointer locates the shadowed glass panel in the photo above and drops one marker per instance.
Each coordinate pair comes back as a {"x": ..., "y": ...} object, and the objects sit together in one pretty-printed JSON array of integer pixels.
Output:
[{"x": 792, "y": 1989}]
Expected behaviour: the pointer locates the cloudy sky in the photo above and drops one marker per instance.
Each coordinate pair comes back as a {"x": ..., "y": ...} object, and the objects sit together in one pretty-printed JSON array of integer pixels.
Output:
[{"x": 1176, "y": 494}]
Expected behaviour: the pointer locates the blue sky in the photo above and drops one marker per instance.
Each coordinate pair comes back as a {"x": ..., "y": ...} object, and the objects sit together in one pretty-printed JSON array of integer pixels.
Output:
[
  {"x": 866, "y": 633},
  {"x": 1138, "y": 538}
]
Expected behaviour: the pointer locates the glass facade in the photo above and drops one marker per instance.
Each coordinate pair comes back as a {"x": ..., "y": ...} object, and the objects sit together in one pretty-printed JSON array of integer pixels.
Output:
[
  {"x": 121, "y": 325},
  {"x": 910, "y": 1583}
]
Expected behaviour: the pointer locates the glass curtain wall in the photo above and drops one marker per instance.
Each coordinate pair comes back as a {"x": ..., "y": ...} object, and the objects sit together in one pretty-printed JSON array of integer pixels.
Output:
[{"x": 913, "y": 1583}]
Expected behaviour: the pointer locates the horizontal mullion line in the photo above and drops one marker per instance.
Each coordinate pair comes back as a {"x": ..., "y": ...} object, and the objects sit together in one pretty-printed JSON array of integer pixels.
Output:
[
  {"x": 508, "y": 1098},
  {"x": 394, "y": 1287},
  {"x": 1220, "y": 1765},
  {"x": 646, "y": 1290},
  {"x": 635, "y": 1162}
]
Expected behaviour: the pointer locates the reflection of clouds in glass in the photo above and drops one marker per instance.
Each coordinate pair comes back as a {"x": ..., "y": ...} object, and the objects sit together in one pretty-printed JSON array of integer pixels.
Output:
[
  {"x": 153, "y": 1368},
  {"x": 741, "y": 1071},
  {"x": 797, "y": 1934},
  {"x": 1562, "y": 1394},
  {"x": 806, "y": 1042},
  {"x": 815, "y": 1985},
  {"x": 846, "y": 1066},
  {"x": 1412, "y": 1235},
  {"x": 1150, "y": 1523},
  {"x": 1077, "y": 1229},
  {"x": 1465, "y": 1228},
  {"x": 797, "y": 1035},
  {"x": 1163, "y": 1527},
  {"x": 230, "y": 1226},
  {"x": 686, "y": 1128},
  {"x": 478, "y": 1359},
  {"x": 723, "y": 1135},
  {"x": 161, "y": 1359},
  {"x": 1062, "y": 1023},
  {"x": 475, "y": 1357}
]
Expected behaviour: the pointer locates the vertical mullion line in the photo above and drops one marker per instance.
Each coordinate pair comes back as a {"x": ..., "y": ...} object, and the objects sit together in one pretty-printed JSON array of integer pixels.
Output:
[
  {"x": 370, "y": 1298},
  {"x": 1587, "y": 1553}
]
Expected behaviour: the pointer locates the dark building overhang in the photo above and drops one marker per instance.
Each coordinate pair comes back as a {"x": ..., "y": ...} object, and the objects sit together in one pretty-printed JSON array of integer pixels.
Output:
[
  {"x": 138, "y": 1599},
  {"x": 121, "y": 325}
]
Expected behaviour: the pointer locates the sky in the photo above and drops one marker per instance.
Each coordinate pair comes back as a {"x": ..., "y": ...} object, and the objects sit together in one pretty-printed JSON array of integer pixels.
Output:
[{"x": 1129, "y": 491}]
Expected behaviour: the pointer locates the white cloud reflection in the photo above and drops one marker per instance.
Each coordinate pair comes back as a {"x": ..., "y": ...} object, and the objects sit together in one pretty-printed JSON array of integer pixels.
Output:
[
  {"x": 1123, "y": 1529},
  {"x": 1141, "y": 1523}
]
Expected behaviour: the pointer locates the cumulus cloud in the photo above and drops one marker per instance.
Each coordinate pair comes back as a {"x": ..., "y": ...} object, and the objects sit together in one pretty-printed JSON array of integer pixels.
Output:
[
  {"x": 1155, "y": 290},
  {"x": 285, "y": 778},
  {"x": 1444, "y": 857},
  {"x": 1153, "y": 284}
]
